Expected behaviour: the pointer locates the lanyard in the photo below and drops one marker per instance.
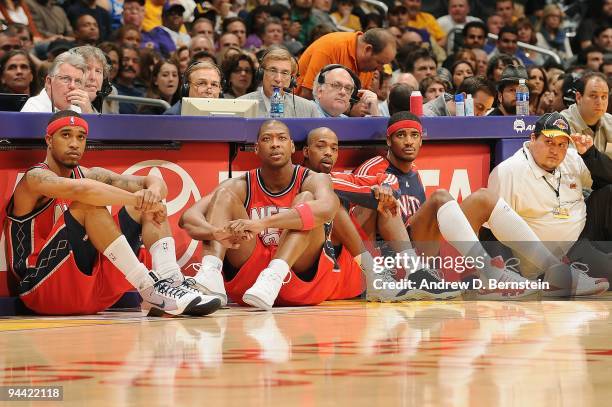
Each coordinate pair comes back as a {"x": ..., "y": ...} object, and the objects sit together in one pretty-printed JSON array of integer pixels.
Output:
[{"x": 557, "y": 190}]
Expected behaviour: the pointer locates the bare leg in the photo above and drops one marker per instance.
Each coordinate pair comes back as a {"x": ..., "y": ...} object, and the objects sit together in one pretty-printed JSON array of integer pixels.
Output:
[
  {"x": 98, "y": 223},
  {"x": 424, "y": 227},
  {"x": 300, "y": 249},
  {"x": 151, "y": 231},
  {"x": 225, "y": 206},
  {"x": 346, "y": 234}
]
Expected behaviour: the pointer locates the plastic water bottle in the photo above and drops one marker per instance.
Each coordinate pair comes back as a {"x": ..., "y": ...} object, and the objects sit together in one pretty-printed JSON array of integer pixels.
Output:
[
  {"x": 459, "y": 105},
  {"x": 522, "y": 99},
  {"x": 469, "y": 106},
  {"x": 416, "y": 103},
  {"x": 277, "y": 106}
]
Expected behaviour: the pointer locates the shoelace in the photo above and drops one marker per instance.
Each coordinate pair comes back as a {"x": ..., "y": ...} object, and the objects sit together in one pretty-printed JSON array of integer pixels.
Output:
[
  {"x": 581, "y": 268},
  {"x": 196, "y": 266},
  {"x": 189, "y": 284},
  {"x": 164, "y": 287},
  {"x": 511, "y": 267},
  {"x": 388, "y": 275}
]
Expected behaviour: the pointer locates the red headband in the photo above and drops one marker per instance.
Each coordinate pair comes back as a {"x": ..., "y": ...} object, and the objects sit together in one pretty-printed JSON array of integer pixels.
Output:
[
  {"x": 403, "y": 124},
  {"x": 57, "y": 124}
]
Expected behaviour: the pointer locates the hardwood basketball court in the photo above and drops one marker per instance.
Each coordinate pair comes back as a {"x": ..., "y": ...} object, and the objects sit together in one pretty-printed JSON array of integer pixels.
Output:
[{"x": 454, "y": 353}]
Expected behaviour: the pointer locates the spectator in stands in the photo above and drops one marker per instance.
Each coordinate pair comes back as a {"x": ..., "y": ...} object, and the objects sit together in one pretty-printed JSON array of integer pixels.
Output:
[
  {"x": 462, "y": 54},
  {"x": 455, "y": 20},
  {"x": 202, "y": 80},
  {"x": 373, "y": 20},
  {"x": 86, "y": 30},
  {"x": 591, "y": 57},
  {"x": 133, "y": 13},
  {"x": 399, "y": 98},
  {"x": 236, "y": 26},
  {"x": 432, "y": 87},
  {"x": 411, "y": 37},
  {"x": 344, "y": 17},
  {"x": 496, "y": 66},
  {"x": 474, "y": 35},
  {"x": 422, "y": 20},
  {"x": 321, "y": 10},
  {"x": 114, "y": 55},
  {"x": 526, "y": 33},
  {"x": 482, "y": 92},
  {"x": 200, "y": 43},
  {"x": 102, "y": 17},
  {"x": 552, "y": 35},
  {"x": 481, "y": 61},
  {"x": 164, "y": 85},
  {"x": 17, "y": 11},
  {"x": 228, "y": 40},
  {"x": 506, "y": 90},
  {"x": 408, "y": 79},
  {"x": 239, "y": 71},
  {"x": 363, "y": 53},
  {"x": 97, "y": 70},
  {"x": 272, "y": 33},
  {"x": 17, "y": 73},
  {"x": 204, "y": 56},
  {"x": 397, "y": 16},
  {"x": 167, "y": 37},
  {"x": 421, "y": 64},
  {"x": 64, "y": 87},
  {"x": 461, "y": 70},
  {"x": 602, "y": 38},
  {"x": 278, "y": 69},
  {"x": 381, "y": 84},
  {"x": 301, "y": 11},
  {"x": 589, "y": 114},
  {"x": 556, "y": 88},
  {"x": 203, "y": 26},
  {"x": 494, "y": 25},
  {"x": 181, "y": 57},
  {"x": 9, "y": 42},
  {"x": 291, "y": 29},
  {"x": 255, "y": 22},
  {"x": 505, "y": 9},
  {"x": 50, "y": 19},
  {"x": 606, "y": 67},
  {"x": 334, "y": 87},
  {"x": 537, "y": 86},
  {"x": 599, "y": 15},
  {"x": 129, "y": 34},
  {"x": 128, "y": 79},
  {"x": 507, "y": 43}
]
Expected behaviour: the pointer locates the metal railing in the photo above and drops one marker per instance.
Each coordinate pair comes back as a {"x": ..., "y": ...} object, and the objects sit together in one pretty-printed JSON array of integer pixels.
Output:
[
  {"x": 534, "y": 48},
  {"x": 378, "y": 4},
  {"x": 139, "y": 101}
]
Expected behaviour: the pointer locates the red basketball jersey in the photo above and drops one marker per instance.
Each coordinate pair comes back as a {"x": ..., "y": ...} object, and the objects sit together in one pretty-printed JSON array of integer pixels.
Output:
[
  {"x": 28, "y": 234},
  {"x": 261, "y": 203}
]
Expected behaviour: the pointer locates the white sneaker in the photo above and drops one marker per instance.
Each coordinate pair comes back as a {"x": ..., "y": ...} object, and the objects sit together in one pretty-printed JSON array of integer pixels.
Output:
[
  {"x": 504, "y": 272},
  {"x": 581, "y": 284},
  {"x": 209, "y": 280},
  {"x": 265, "y": 290},
  {"x": 162, "y": 298},
  {"x": 173, "y": 274},
  {"x": 191, "y": 285},
  {"x": 383, "y": 287}
]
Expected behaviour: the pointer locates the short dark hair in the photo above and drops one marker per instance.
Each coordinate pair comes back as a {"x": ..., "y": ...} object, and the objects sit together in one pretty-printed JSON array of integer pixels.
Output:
[
  {"x": 582, "y": 56},
  {"x": 473, "y": 84},
  {"x": 231, "y": 20},
  {"x": 475, "y": 24},
  {"x": 267, "y": 123},
  {"x": 378, "y": 38},
  {"x": 420, "y": 53},
  {"x": 399, "y": 97},
  {"x": 600, "y": 29},
  {"x": 402, "y": 115},
  {"x": 584, "y": 79},
  {"x": 63, "y": 113},
  {"x": 507, "y": 29},
  {"x": 505, "y": 59}
]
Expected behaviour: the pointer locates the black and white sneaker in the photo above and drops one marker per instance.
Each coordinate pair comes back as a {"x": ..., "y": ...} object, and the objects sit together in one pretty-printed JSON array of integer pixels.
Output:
[
  {"x": 162, "y": 298},
  {"x": 429, "y": 284}
]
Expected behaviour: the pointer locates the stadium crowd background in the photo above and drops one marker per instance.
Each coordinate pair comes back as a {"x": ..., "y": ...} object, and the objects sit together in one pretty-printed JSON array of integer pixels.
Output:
[{"x": 151, "y": 43}]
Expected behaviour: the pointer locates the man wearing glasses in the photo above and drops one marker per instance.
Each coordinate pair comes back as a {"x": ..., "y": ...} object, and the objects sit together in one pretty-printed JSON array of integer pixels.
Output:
[
  {"x": 64, "y": 87},
  {"x": 278, "y": 70},
  {"x": 203, "y": 81},
  {"x": 333, "y": 90}
]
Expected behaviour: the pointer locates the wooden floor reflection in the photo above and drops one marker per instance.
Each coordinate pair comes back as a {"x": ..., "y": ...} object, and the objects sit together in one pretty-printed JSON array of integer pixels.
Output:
[{"x": 342, "y": 353}]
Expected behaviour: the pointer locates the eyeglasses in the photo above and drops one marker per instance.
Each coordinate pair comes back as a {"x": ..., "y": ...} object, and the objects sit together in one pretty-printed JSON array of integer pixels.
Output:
[
  {"x": 205, "y": 84},
  {"x": 274, "y": 72},
  {"x": 338, "y": 86},
  {"x": 241, "y": 70},
  {"x": 67, "y": 80}
]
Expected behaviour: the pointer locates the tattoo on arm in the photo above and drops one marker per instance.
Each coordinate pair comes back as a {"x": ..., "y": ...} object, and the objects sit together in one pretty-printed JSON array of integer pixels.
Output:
[{"x": 129, "y": 183}]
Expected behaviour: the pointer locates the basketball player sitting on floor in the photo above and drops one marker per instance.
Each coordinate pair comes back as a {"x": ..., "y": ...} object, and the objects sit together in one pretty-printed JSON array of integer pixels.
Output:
[
  {"x": 268, "y": 230},
  {"x": 374, "y": 195},
  {"x": 441, "y": 216},
  {"x": 58, "y": 227}
]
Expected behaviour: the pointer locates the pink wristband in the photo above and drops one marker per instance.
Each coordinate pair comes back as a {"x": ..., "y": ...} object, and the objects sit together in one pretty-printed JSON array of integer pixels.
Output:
[{"x": 306, "y": 215}]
